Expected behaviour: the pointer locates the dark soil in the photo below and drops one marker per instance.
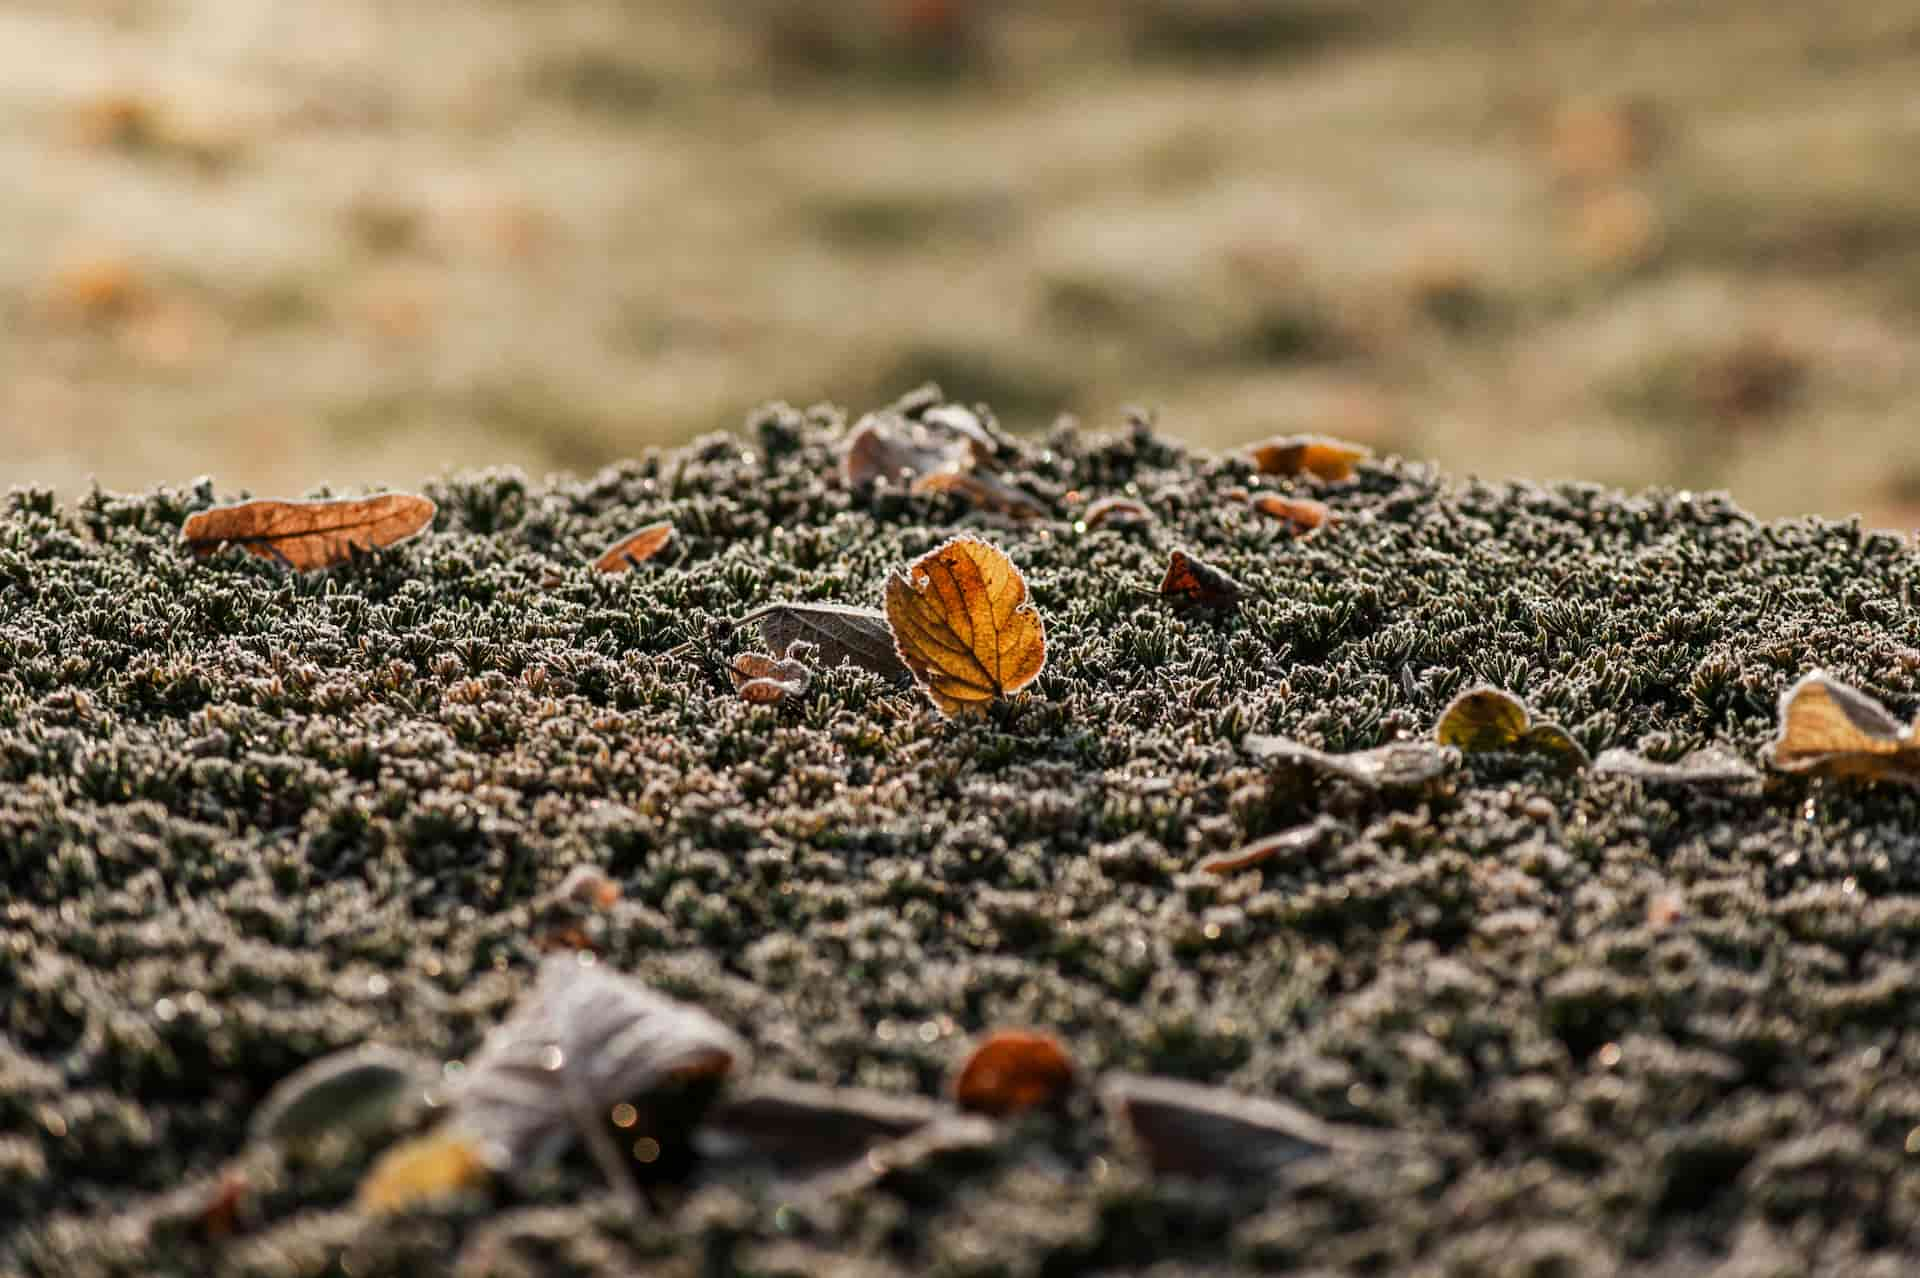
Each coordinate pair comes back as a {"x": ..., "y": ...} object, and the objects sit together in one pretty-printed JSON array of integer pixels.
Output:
[{"x": 248, "y": 818}]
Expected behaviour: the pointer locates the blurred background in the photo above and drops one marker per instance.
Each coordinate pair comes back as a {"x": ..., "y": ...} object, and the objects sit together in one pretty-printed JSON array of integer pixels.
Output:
[{"x": 365, "y": 241}]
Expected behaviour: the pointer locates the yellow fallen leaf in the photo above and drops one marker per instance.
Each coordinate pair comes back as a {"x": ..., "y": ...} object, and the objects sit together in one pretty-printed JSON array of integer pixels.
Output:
[
  {"x": 1484, "y": 719},
  {"x": 427, "y": 1168},
  {"x": 964, "y": 626},
  {"x": 1830, "y": 729}
]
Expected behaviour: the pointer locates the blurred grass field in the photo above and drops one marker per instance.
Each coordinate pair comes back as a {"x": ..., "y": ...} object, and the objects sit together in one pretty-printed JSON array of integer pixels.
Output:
[{"x": 367, "y": 241}]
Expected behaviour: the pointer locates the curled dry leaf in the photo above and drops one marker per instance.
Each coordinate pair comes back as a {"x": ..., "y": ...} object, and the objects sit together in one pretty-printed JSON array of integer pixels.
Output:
[
  {"x": 425, "y": 1169},
  {"x": 1712, "y": 765},
  {"x": 1196, "y": 583},
  {"x": 583, "y": 1048},
  {"x": 1301, "y": 840},
  {"x": 984, "y": 491},
  {"x": 842, "y": 634},
  {"x": 766, "y": 681},
  {"x": 964, "y": 626},
  {"x": 1187, "y": 1130},
  {"x": 1121, "y": 512},
  {"x": 1302, "y": 515},
  {"x": 309, "y": 534},
  {"x": 1013, "y": 1071},
  {"x": 919, "y": 1163},
  {"x": 1829, "y": 728},
  {"x": 635, "y": 548},
  {"x": 799, "y": 1129},
  {"x": 965, "y": 423},
  {"x": 1398, "y": 765},
  {"x": 1487, "y": 719},
  {"x": 886, "y": 447},
  {"x": 1316, "y": 455},
  {"x": 353, "y": 1090}
]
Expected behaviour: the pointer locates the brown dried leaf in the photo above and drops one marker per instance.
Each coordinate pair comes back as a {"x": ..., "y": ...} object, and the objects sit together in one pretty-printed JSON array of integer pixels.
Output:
[
  {"x": 765, "y": 680},
  {"x": 1188, "y": 1130},
  {"x": 1712, "y": 765},
  {"x": 984, "y": 491},
  {"x": 1120, "y": 511},
  {"x": 1398, "y": 765},
  {"x": 1829, "y": 728},
  {"x": 801, "y": 1129},
  {"x": 966, "y": 424},
  {"x": 964, "y": 626},
  {"x": 886, "y": 448},
  {"x": 1191, "y": 581},
  {"x": 1299, "y": 841},
  {"x": 635, "y": 548},
  {"x": 1317, "y": 455},
  {"x": 1301, "y": 514},
  {"x": 842, "y": 634},
  {"x": 309, "y": 534},
  {"x": 1013, "y": 1071}
]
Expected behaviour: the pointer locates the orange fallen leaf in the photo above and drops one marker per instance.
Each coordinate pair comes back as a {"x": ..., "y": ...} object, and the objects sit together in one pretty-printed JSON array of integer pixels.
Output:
[
  {"x": 423, "y": 1170},
  {"x": 635, "y": 548},
  {"x": 309, "y": 534},
  {"x": 1299, "y": 841},
  {"x": 766, "y": 680},
  {"x": 1301, "y": 514},
  {"x": 1831, "y": 729},
  {"x": 1121, "y": 511},
  {"x": 963, "y": 624},
  {"x": 984, "y": 491},
  {"x": 1013, "y": 1071},
  {"x": 879, "y": 450},
  {"x": 1196, "y": 582},
  {"x": 1317, "y": 455}
]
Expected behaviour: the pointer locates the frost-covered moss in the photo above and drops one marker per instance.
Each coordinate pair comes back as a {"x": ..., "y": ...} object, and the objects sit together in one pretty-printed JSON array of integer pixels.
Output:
[{"x": 248, "y": 818}]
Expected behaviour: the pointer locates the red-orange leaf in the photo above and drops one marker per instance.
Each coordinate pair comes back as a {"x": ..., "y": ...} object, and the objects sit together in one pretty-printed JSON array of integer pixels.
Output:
[
  {"x": 1316, "y": 455},
  {"x": 1119, "y": 511},
  {"x": 1013, "y": 1071},
  {"x": 1301, "y": 514},
  {"x": 635, "y": 548},
  {"x": 1193, "y": 581},
  {"x": 309, "y": 534}
]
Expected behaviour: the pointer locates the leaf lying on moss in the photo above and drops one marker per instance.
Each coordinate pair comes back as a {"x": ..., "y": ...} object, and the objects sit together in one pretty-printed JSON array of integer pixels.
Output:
[
  {"x": 583, "y": 1045},
  {"x": 303, "y": 535},
  {"x": 351, "y": 1090},
  {"x": 1299, "y": 841},
  {"x": 799, "y": 1129},
  {"x": 984, "y": 491},
  {"x": 1317, "y": 455},
  {"x": 964, "y": 626},
  {"x": 425, "y": 1169},
  {"x": 842, "y": 634},
  {"x": 1194, "y": 582},
  {"x": 1486, "y": 719},
  {"x": 883, "y": 447},
  {"x": 765, "y": 680},
  {"x": 1829, "y": 728},
  {"x": 1013, "y": 1071},
  {"x": 1712, "y": 765},
  {"x": 965, "y": 423},
  {"x": 1119, "y": 511},
  {"x": 1398, "y": 765},
  {"x": 635, "y": 548},
  {"x": 1188, "y": 1130},
  {"x": 1302, "y": 515}
]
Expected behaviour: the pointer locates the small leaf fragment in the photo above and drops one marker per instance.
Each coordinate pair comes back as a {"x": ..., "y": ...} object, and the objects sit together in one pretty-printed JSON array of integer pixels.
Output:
[
  {"x": 1303, "y": 515},
  {"x": 842, "y": 634},
  {"x": 304, "y": 535},
  {"x": 351, "y": 1090},
  {"x": 1121, "y": 512},
  {"x": 1013, "y": 1071},
  {"x": 426, "y": 1169},
  {"x": 1316, "y": 455},
  {"x": 963, "y": 624},
  {"x": 801, "y": 1128},
  {"x": 1828, "y": 728},
  {"x": 1194, "y": 582},
  {"x": 1188, "y": 1130},
  {"x": 965, "y": 423},
  {"x": 984, "y": 491},
  {"x": 1301, "y": 840},
  {"x": 883, "y": 447},
  {"x": 765, "y": 680},
  {"x": 1397, "y": 765},
  {"x": 1712, "y": 765},
  {"x": 635, "y": 548},
  {"x": 1553, "y": 741}
]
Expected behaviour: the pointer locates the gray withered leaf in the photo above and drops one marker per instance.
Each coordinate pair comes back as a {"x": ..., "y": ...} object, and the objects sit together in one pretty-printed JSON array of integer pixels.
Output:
[
  {"x": 344, "y": 1091},
  {"x": 582, "y": 1041},
  {"x": 799, "y": 1129},
  {"x": 1711, "y": 765},
  {"x": 1189, "y": 1130},
  {"x": 842, "y": 633},
  {"x": 1398, "y": 765}
]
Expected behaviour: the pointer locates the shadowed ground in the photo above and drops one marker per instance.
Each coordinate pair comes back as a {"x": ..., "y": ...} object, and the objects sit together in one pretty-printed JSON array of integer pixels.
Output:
[{"x": 247, "y": 818}]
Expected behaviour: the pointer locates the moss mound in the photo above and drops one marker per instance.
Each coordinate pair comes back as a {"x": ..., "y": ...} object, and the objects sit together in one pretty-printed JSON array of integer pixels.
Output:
[{"x": 247, "y": 818}]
